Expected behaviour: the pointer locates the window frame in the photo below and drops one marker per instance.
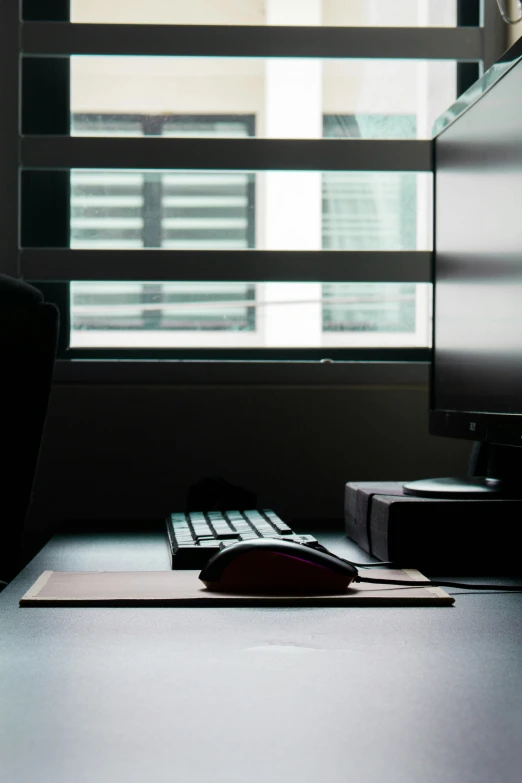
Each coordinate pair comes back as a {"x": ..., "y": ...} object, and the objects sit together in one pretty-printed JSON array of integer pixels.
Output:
[{"x": 47, "y": 40}]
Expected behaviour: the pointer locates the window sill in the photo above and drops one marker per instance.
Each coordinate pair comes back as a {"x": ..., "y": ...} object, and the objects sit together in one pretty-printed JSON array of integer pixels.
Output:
[{"x": 241, "y": 373}]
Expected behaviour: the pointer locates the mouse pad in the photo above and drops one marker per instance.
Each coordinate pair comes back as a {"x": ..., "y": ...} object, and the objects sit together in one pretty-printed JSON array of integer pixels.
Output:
[{"x": 183, "y": 588}]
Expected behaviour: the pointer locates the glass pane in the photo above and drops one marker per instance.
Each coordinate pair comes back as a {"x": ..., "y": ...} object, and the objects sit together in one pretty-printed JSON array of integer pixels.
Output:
[
  {"x": 333, "y": 13},
  {"x": 248, "y": 315},
  {"x": 370, "y": 126},
  {"x": 238, "y": 210},
  {"x": 176, "y": 210},
  {"x": 267, "y": 98},
  {"x": 373, "y": 211},
  {"x": 172, "y": 126},
  {"x": 365, "y": 307},
  {"x": 377, "y": 314},
  {"x": 166, "y": 306}
]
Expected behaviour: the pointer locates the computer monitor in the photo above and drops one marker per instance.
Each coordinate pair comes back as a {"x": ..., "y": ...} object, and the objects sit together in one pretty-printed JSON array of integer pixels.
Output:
[{"x": 476, "y": 374}]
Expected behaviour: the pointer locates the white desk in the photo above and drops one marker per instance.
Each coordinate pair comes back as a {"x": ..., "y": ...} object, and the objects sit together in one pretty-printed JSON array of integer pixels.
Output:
[{"x": 374, "y": 695}]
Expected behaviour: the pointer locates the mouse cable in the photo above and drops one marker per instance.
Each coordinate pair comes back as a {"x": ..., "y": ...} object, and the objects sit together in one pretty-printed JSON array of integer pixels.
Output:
[
  {"x": 439, "y": 583},
  {"x": 411, "y": 583},
  {"x": 373, "y": 565},
  {"x": 321, "y": 548}
]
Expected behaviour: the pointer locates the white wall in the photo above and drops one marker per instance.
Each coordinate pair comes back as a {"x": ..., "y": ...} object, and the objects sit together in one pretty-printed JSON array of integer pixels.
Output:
[{"x": 126, "y": 452}]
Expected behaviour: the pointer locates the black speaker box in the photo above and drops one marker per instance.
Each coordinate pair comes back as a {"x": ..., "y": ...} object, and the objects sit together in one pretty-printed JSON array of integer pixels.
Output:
[{"x": 465, "y": 536}]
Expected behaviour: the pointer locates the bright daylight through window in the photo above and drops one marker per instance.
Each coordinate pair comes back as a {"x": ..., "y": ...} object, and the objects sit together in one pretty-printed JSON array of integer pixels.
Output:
[{"x": 182, "y": 210}]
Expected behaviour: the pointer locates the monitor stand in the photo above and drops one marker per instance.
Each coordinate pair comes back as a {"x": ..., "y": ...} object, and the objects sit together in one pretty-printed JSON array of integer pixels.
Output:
[{"x": 493, "y": 472}]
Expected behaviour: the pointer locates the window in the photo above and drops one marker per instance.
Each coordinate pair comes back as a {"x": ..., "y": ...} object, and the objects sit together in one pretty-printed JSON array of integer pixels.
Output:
[
  {"x": 252, "y": 189},
  {"x": 361, "y": 210},
  {"x": 178, "y": 210},
  {"x": 373, "y": 211}
]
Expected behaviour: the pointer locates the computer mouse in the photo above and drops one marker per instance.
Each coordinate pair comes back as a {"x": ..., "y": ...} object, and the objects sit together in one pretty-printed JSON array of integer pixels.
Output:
[{"x": 270, "y": 565}]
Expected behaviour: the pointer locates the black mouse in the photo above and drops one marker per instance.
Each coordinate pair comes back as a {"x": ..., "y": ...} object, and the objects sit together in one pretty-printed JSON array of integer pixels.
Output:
[{"x": 270, "y": 564}]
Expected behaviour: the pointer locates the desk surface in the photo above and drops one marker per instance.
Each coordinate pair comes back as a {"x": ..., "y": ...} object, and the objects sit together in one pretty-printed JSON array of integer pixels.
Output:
[{"x": 244, "y": 695}]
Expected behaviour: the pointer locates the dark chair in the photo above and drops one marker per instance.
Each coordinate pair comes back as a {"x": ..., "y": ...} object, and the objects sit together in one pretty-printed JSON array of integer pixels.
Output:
[{"x": 28, "y": 340}]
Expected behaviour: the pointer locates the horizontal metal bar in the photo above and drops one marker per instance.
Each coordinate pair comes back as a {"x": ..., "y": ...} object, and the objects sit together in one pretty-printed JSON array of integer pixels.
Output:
[
  {"x": 62, "y": 39},
  {"x": 65, "y": 152},
  {"x": 243, "y": 373},
  {"x": 227, "y": 265}
]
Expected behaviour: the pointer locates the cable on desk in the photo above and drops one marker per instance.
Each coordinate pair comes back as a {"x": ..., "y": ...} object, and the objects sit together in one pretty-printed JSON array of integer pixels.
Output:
[
  {"x": 321, "y": 548},
  {"x": 407, "y": 583},
  {"x": 438, "y": 583},
  {"x": 374, "y": 565}
]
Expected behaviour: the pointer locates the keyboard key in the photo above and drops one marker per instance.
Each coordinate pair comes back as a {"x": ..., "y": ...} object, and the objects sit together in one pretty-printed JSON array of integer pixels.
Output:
[
  {"x": 225, "y": 536},
  {"x": 197, "y": 536}
]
